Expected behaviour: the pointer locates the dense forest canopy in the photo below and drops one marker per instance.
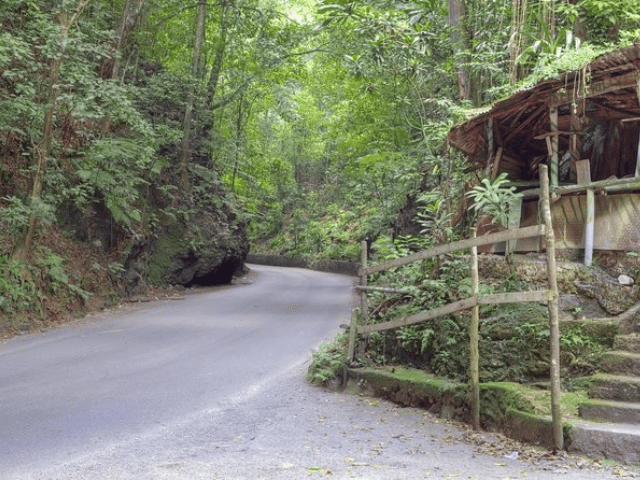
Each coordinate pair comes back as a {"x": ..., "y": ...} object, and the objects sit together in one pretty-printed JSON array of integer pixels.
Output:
[{"x": 313, "y": 125}]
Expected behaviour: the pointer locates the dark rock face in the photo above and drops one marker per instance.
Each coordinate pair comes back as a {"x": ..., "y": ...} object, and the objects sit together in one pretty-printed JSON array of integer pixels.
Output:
[{"x": 207, "y": 251}]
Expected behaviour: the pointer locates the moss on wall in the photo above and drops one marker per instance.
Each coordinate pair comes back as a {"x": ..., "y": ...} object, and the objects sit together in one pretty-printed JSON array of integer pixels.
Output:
[{"x": 167, "y": 245}]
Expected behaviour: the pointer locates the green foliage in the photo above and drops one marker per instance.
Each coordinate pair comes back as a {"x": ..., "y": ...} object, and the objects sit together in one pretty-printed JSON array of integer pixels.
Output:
[
  {"x": 111, "y": 169},
  {"x": 494, "y": 198},
  {"x": 15, "y": 215},
  {"x": 435, "y": 217},
  {"x": 52, "y": 267},
  {"x": 19, "y": 289},
  {"x": 327, "y": 361},
  {"x": 549, "y": 48}
]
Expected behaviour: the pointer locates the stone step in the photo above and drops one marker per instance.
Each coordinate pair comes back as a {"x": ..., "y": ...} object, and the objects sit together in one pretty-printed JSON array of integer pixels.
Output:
[
  {"x": 620, "y": 362},
  {"x": 614, "y": 441},
  {"x": 610, "y": 410},
  {"x": 628, "y": 343},
  {"x": 615, "y": 387}
]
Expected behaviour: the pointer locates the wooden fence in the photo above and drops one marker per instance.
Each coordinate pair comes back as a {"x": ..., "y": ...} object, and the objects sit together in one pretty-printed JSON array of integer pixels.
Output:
[{"x": 360, "y": 326}]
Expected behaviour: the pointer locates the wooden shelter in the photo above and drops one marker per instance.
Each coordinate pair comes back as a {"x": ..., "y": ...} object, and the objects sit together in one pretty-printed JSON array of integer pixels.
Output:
[{"x": 585, "y": 125}]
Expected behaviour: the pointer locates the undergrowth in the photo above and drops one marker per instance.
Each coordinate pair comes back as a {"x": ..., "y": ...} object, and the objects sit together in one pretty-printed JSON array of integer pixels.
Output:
[{"x": 328, "y": 359}]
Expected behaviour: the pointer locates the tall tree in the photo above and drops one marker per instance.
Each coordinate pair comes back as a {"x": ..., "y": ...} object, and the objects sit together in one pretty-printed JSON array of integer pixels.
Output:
[
  {"x": 195, "y": 73},
  {"x": 131, "y": 15},
  {"x": 42, "y": 151},
  {"x": 456, "y": 22}
]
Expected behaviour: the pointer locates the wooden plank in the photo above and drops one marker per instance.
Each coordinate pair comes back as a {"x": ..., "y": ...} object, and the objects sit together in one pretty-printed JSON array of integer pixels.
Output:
[
  {"x": 526, "y": 232},
  {"x": 465, "y": 304},
  {"x": 557, "y": 133},
  {"x": 583, "y": 171}
]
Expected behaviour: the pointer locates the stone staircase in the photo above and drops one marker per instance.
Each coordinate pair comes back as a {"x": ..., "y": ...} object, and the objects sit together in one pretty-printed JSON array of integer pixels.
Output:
[{"x": 610, "y": 420}]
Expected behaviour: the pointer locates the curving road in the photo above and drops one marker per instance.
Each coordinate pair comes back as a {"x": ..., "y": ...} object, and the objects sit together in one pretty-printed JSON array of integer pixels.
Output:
[{"x": 213, "y": 387}]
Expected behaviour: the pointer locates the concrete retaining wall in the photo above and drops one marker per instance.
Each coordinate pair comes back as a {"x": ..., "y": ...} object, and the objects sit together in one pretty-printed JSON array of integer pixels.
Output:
[{"x": 333, "y": 266}]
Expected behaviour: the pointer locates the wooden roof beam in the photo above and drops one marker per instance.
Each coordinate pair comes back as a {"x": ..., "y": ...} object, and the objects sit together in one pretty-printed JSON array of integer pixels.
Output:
[
  {"x": 541, "y": 109},
  {"x": 600, "y": 87}
]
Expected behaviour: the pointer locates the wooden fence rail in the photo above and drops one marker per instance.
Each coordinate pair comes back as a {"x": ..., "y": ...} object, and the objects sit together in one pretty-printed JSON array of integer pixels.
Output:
[
  {"x": 515, "y": 234},
  {"x": 359, "y": 326}
]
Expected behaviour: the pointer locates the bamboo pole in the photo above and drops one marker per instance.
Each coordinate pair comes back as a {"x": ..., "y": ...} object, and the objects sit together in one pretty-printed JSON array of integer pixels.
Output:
[
  {"x": 364, "y": 305},
  {"x": 473, "y": 339},
  {"x": 556, "y": 415}
]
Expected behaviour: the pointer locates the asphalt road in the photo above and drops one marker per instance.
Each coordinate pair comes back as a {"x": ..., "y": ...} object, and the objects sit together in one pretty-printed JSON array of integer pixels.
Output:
[{"x": 212, "y": 387}]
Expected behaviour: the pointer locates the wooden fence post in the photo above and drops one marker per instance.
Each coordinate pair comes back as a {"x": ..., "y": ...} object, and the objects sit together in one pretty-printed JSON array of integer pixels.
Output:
[
  {"x": 364, "y": 305},
  {"x": 473, "y": 339},
  {"x": 552, "y": 295},
  {"x": 353, "y": 330}
]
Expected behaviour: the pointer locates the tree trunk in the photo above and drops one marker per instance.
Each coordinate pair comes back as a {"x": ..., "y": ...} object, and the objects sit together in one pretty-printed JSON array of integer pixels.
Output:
[
  {"x": 456, "y": 21},
  {"x": 518, "y": 17},
  {"x": 43, "y": 150},
  {"x": 130, "y": 16},
  {"x": 188, "y": 114}
]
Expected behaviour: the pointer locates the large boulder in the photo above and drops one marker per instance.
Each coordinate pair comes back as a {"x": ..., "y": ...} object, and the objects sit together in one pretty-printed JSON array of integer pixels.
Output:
[{"x": 208, "y": 249}]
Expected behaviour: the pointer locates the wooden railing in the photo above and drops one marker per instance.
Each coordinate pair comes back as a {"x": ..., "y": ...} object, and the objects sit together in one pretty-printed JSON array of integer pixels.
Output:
[{"x": 359, "y": 321}]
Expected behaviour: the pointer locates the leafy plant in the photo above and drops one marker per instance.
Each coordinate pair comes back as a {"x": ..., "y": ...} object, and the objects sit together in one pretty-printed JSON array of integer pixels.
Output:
[
  {"x": 434, "y": 217},
  {"x": 495, "y": 198},
  {"x": 327, "y": 361}
]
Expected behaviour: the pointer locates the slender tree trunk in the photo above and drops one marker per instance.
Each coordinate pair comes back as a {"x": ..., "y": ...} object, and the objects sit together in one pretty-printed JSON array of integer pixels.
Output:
[
  {"x": 195, "y": 70},
  {"x": 218, "y": 60},
  {"x": 456, "y": 22},
  {"x": 237, "y": 145},
  {"x": 42, "y": 152},
  {"x": 130, "y": 17},
  {"x": 518, "y": 18},
  {"x": 578, "y": 27}
]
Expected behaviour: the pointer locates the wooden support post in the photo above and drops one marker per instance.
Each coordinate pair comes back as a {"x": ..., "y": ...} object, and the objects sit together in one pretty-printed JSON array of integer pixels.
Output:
[
  {"x": 552, "y": 295},
  {"x": 553, "y": 163},
  {"x": 638, "y": 160},
  {"x": 364, "y": 304},
  {"x": 353, "y": 331},
  {"x": 589, "y": 227},
  {"x": 473, "y": 340},
  {"x": 489, "y": 133},
  {"x": 513, "y": 221},
  {"x": 583, "y": 170},
  {"x": 638, "y": 157},
  {"x": 496, "y": 162}
]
